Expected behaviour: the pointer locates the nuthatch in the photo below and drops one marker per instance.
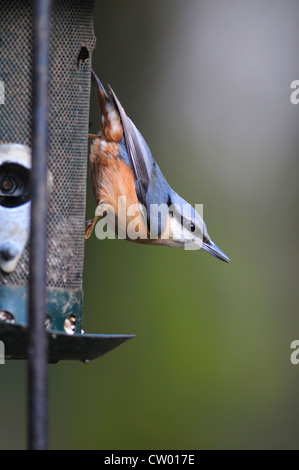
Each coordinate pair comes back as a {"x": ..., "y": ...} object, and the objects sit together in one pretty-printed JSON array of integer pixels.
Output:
[{"x": 123, "y": 169}]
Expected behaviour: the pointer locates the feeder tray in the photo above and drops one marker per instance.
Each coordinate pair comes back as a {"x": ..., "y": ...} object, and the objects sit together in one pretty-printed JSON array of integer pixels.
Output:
[
  {"x": 61, "y": 346},
  {"x": 66, "y": 338}
]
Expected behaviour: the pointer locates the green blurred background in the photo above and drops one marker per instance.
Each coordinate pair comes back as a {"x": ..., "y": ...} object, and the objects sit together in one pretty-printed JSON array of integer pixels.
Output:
[{"x": 208, "y": 85}]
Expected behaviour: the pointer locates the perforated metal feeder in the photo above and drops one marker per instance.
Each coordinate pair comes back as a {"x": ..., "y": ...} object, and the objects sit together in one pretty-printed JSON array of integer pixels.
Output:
[{"x": 71, "y": 45}]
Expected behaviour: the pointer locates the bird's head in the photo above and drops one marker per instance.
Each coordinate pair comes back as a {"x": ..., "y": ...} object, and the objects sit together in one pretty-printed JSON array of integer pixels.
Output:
[{"x": 188, "y": 230}]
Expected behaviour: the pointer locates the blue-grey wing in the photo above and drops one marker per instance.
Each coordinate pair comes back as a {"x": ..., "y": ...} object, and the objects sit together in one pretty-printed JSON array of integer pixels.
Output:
[
  {"x": 151, "y": 186},
  {"x": 137, "y": 152}
]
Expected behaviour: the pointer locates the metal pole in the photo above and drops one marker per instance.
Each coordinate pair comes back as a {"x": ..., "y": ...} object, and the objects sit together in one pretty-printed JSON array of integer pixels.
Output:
[{"x": 37, "y": 345}]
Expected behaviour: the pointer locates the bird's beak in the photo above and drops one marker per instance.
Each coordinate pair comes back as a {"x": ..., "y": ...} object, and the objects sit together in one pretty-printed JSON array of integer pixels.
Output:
[{"x": 215, "y": 251}]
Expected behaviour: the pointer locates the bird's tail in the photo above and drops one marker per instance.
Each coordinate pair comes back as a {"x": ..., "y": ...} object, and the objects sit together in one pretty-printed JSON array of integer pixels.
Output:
[
  {"x": 102, "y": 95},
  {"x": 111, "y": 124}
]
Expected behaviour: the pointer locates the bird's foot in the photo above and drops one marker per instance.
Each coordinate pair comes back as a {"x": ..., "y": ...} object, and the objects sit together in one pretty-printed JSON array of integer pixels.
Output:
[{"x": 90, "y": 224}]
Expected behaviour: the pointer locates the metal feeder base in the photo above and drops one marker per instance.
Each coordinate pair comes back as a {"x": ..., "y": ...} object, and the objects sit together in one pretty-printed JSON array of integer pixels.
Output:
[{"x": 82, "y": 347}]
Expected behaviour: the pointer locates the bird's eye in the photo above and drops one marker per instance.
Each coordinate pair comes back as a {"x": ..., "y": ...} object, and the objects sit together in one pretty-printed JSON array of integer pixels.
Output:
[{"x": 192, "y": 227}]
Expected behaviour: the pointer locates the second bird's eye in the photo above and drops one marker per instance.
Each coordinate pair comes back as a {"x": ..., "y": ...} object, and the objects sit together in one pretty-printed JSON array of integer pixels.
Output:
[{"x": 192, "y": 227}]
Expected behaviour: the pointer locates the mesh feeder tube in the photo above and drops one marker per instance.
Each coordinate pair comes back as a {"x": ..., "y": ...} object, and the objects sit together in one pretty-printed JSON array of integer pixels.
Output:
[{"x": 71, "y": 45}]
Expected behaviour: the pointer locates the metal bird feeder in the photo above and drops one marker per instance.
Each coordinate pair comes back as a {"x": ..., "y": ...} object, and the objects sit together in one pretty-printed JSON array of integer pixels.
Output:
[
  {"x": 70, "y": 50},
  {"x": 45, "y": 66}
]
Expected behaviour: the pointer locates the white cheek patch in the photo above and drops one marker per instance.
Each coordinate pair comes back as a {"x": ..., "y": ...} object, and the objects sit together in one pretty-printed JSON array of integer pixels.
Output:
[{"x": 179, "y": 233}]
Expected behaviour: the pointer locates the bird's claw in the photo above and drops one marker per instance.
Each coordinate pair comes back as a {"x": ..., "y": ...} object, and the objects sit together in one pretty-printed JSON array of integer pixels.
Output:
[{"x": 90, "y": 224}]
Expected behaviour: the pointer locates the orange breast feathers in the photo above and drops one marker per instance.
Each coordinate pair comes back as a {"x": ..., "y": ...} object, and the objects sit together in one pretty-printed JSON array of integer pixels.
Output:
[{"x": 111, "y": 179}]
